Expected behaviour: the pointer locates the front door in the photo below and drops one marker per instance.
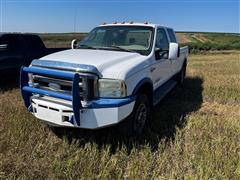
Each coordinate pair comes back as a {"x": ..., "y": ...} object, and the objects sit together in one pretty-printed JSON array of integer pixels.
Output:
[{"x": 161, "y": 69}]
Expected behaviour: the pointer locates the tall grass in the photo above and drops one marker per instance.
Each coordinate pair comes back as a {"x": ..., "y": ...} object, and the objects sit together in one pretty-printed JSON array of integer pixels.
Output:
[{"x": 194, "y": 134}]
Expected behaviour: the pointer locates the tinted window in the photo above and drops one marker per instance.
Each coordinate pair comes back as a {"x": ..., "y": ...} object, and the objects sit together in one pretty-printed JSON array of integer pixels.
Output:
[
  {"x": 33, "y": 42},
  {"x": 10, "y": 42},
  {"x": 162, "y": 40},
  {"x": 15, "y": 44},
  {"x": 172, "y": 35}
]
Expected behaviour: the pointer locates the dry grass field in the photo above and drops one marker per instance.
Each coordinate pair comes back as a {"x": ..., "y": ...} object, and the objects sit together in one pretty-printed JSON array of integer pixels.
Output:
[{"x": 194, "y": 134}]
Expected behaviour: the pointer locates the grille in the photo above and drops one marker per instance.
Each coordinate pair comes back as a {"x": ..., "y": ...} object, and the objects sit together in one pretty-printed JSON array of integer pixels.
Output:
[{"x": 87, "y": 85}]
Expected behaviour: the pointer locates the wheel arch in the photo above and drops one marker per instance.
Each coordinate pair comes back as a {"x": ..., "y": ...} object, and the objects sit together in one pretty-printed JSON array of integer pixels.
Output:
[{"x": 145, "y": 86}]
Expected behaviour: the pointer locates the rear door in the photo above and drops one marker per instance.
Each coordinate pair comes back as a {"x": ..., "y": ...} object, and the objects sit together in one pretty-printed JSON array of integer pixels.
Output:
[
  {"x": 176, "y": 64},
  {"x": 161, "y": 70}
]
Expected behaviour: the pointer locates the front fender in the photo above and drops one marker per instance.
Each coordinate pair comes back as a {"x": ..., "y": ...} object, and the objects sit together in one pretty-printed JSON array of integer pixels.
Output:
[{"x": 141, "y": 83}]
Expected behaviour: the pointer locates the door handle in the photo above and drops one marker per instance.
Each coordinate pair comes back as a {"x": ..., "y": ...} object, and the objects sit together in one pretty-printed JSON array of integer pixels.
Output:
[{"x": 152, "y": 69}]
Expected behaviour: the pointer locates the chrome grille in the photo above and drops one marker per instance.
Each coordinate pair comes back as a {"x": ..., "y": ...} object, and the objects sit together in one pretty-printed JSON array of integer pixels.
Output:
[{"x": 86, "y": 84}]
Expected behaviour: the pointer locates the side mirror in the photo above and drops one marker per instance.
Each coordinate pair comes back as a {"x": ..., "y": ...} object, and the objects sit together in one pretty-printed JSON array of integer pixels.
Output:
[
  {"x": 74, "y": 44},
  {"x": 173, "y": 51},
  {"x": 161, "y": 54}
]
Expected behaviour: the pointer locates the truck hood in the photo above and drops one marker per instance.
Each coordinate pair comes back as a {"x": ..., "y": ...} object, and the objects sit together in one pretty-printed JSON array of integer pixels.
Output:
[{"x": 110, "y": 64}]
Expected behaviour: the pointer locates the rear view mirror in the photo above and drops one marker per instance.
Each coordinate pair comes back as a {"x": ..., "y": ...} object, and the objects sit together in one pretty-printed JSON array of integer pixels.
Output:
[
  {"x": 173, "y": 51},
  {"x": 74, "y": 44}
]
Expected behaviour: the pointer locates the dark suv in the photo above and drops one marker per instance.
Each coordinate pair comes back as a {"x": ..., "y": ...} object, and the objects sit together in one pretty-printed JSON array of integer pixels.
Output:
[{"x": 17, "y": 50}]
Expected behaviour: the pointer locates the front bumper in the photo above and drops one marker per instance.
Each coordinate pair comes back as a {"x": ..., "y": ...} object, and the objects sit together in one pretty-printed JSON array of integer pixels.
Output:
[
  {"x": 61, "y": 109},
  {"x": 97, "y": 114}
]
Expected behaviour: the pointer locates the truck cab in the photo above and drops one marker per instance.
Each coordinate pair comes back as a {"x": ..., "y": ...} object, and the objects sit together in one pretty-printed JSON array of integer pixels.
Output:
[{"x": 113, "y": 76}]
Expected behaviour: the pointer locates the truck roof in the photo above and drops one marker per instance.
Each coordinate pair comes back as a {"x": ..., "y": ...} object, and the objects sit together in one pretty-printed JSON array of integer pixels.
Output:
[
  {"x": 18, "y": 34},
  {"x": 133, "y": 24}
]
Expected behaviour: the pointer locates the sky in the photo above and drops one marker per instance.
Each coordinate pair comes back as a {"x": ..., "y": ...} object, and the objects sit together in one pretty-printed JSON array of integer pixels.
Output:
[{"x": 81, "y": 16}]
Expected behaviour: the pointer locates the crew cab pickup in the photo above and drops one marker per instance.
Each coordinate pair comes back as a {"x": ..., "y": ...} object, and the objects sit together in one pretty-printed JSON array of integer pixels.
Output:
[
  {"x": 17, "y": 50},
  {"x": 113, "y": 76}
]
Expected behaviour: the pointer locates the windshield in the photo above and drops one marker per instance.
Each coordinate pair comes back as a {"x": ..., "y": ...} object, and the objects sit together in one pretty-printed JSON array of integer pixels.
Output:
[{"x": 120, "y": 38}]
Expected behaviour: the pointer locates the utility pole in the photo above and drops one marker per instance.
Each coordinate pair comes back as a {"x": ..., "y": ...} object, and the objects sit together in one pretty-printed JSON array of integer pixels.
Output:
[
  {"x": 1, "y": 16},
  {"x": 75, "y": 20}
]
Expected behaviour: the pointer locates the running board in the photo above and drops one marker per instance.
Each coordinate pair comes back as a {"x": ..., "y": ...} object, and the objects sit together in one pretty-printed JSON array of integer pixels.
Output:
[{"x": 162, "y": 91}]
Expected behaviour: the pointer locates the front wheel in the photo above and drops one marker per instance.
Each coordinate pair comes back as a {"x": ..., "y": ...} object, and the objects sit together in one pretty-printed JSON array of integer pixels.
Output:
[
  {"x": 140, "y": 115},
  {"x": 137, "y": 121}
]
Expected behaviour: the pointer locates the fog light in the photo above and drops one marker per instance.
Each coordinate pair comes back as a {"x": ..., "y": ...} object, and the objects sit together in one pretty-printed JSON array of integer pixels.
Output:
[{"x": 65, "y": 118}]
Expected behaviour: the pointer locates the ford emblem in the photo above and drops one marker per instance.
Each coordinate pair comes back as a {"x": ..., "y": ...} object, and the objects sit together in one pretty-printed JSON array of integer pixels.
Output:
[{"x": 54, "y": 86}]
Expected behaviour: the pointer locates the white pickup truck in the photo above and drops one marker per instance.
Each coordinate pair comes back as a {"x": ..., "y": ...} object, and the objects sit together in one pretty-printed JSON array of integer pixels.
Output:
[{"x": 116, "y": 74}]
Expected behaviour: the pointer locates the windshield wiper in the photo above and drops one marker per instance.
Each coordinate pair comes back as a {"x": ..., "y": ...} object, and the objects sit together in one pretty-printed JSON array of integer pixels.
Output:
[
  {"x": 85, "y": 46},
  {"x": 119, "y": 48}
]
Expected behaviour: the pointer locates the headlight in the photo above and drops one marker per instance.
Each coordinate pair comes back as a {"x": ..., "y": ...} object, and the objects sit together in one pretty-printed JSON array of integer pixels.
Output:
[{"x": 111, "y": 88}]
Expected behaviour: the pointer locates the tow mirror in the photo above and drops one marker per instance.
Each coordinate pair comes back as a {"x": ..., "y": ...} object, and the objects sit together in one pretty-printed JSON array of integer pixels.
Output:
[
  {"x": 161, "y": 53},
  {"x": 173, "y": 51},
  {"x": 74, "y": 44}
]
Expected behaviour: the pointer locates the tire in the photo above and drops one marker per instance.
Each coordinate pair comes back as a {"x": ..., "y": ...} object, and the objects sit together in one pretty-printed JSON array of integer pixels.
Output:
[
  {"x": 181, "y": 76},
  {"x": 135, "y": 124}
]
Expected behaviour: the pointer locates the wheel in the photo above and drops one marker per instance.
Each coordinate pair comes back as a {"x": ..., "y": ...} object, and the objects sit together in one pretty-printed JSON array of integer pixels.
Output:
[
  {"x": 137, "y": 121},
  {"x": 141, "y": 114},
  {"x": 181, "y": 76}
]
